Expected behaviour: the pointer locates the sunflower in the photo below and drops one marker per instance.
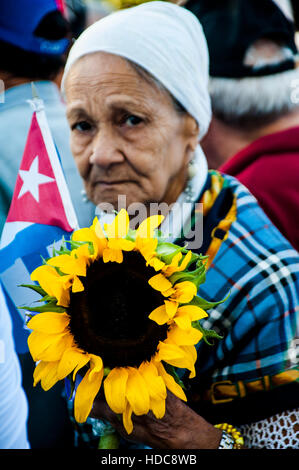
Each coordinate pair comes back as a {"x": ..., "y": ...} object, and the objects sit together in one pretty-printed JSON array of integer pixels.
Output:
[{"x": 120, "y": 310}]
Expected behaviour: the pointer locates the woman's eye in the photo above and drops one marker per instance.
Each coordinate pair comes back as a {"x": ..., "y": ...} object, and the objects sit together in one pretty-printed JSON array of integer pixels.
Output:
[
  {"x": 132, "y": 120},
  {"x": 82, "y": 126}
]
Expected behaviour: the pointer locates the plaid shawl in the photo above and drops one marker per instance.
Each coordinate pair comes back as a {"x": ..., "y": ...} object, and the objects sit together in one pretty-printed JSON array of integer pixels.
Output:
[{"x": 259, "y": 320}]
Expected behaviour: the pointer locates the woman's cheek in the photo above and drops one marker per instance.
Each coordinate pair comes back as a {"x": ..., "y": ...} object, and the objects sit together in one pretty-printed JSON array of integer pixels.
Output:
[{"x": 81, "y": 154}]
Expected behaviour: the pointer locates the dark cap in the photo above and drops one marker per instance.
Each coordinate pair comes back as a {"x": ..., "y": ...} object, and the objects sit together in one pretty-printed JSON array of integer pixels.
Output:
[{"x": 232, "y": 26}]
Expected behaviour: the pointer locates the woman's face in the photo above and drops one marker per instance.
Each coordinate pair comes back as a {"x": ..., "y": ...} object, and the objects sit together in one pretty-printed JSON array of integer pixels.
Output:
[{"x": 126, "y": 137}]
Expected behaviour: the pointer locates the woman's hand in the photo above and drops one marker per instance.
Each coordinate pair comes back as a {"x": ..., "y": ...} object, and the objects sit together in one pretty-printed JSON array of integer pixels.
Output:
[{"x": 180, "y": 428}]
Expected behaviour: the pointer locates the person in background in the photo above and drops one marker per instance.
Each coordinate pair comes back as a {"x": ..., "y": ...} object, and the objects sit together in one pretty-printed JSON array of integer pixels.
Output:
[
  {"x": 13, "y": 403},
  {"x": 34, "y": 41},
  {"x": 254, "y": 88},
  {"x": 81, "y": 14}
]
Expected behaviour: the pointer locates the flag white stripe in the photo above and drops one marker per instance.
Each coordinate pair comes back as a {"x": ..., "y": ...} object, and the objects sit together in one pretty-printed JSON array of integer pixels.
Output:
[
  {"x": 57, "y": 169},
  {"x": 10, "y": 230}
]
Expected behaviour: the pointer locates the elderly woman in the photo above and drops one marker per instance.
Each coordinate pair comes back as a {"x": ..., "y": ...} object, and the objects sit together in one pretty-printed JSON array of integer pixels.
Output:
[{"x": 137, "y": 104}]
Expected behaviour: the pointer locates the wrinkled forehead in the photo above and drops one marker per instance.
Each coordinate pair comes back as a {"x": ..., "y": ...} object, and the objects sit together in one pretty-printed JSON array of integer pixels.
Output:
[
  {"x": 101, "y": 76},
  {"x": 99, "y": 68}
]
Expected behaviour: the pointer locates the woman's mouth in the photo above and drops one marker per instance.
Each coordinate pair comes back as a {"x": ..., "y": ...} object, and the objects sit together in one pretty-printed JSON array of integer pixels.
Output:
[{"x": 111, "y": 183}]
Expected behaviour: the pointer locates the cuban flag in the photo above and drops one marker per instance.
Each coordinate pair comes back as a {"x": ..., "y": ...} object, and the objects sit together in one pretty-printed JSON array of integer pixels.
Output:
[{"x": 40, "y": 216}]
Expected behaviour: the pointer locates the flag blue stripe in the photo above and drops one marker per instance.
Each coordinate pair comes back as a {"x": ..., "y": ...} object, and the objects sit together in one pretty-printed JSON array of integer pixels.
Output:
[{"x": 30, "y": 245}]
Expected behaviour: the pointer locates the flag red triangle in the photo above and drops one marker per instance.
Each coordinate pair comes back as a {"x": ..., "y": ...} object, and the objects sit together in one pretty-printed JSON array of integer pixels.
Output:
[{"x": 36, "y": 196}]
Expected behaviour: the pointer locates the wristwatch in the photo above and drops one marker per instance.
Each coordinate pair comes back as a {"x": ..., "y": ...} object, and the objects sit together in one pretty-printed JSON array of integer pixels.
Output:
[
  {"x": 231, "y": 437},
  {"x": 227, "y": 441}
]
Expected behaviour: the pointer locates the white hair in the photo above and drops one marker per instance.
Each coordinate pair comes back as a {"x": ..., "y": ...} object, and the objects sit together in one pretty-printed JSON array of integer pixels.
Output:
[{"x": 252, "y": 100}]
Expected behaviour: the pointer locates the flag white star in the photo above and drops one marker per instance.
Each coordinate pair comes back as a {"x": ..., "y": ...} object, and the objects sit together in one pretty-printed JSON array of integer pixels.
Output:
[{"x": 32, "y": 179}]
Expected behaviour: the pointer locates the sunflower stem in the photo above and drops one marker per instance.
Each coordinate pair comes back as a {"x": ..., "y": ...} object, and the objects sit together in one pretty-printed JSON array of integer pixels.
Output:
[{"x": 109, "y": 441}]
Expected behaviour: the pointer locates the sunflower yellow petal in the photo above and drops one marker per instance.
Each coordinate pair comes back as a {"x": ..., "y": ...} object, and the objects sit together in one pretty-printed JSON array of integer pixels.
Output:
[
  {"x": 174, "y": 266},
  {"x": 185, "y": 261},
  {"x": 82, "y": 259},
  {"x": 69, "y": 265},
  {"x": 183, "y": 363},
  {"x": 77, "y": 285},
  {"x": 155, "y": 384},
  {"x": 54, "y": 284},
  {"x": 82, "y": 252},
  {"x": 112, "y": 255},
  {"x": 83, "y": 235},
  {"x": 49, "y": 322},
  {"x": 42, "y": 272},
  {"x": 168, "y": 351},
  {"x": 182, "y": 321},
  {"x": 176, "y": 259},
  {"x": 92, "y": 235},
  {"x": 127, "y": 418},
  {"x": 39, "y": 371},
  {"x": 187, "y": 314},
  {"x": 42, "y": 369},
  {"x": 96, "y": 365},
  {"x": 191, "y": 352},
  {"x": 169, "y": 292},
  {"x": 54, "y": 351},
  {"x": 183, "y": 337},
  {"x": 62, "y": 295},
  {"x": 49, "y": 379},
  {"x": 38, "y": 342},
  {"x": 48, "y": 347},
  {"x": 147, "y": 228},
  {"x": 147, "y": 247},
  {"x": 155, "y": 263},
  {"x": 194, "y": 312},
  {"x": 169, "y": 269},
  {"x": 170, "y": 383},
  {"x": 121, "y": 244},
  {"x": 174, "y": 355},
  {"x": 159, "y": 315},
  {"x": 185, "y": 291},
  {"x": 86, "y": 393},
  {"x": 115, "y": 386},
  {"x": 137, "y": 392},
  {"x": 45, "y": 275},
  {"x": 160, "y": 283},
  {"x": 171, "y": 307},
  {"x": 187, "y": 361},
  {"x": 97, "y": 228},
  {"x": 72, "y": 358},
  {"x": 119, "y": 227},
  {"x": 158, "y": 407}
]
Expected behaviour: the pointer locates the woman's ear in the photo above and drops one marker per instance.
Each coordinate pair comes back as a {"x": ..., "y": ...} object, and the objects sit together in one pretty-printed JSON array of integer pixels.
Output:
[{"x": 191, "y": 134}]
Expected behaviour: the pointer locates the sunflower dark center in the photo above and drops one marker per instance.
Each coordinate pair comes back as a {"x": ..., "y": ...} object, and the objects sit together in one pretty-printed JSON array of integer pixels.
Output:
[{"x": 110, "y": 317}]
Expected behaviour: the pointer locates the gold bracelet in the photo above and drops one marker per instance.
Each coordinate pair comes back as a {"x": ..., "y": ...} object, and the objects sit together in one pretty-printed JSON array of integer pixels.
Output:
[{"x": 234, "y": 433}]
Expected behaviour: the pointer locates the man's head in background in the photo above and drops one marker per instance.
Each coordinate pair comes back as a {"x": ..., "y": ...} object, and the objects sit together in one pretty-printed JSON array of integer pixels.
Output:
[
  {"x": 252, "y": 70},
  {"x": 34, "y": 39}
]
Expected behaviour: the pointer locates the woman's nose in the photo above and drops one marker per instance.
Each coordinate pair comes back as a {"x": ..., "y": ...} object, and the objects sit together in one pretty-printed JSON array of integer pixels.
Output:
[{"x": 105, "y": 151}]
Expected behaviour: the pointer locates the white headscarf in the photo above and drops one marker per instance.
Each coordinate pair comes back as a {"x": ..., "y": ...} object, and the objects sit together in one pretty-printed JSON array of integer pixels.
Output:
[
  {"x": 168, "y": 42},
  {"x": 163, "y": 38}
]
